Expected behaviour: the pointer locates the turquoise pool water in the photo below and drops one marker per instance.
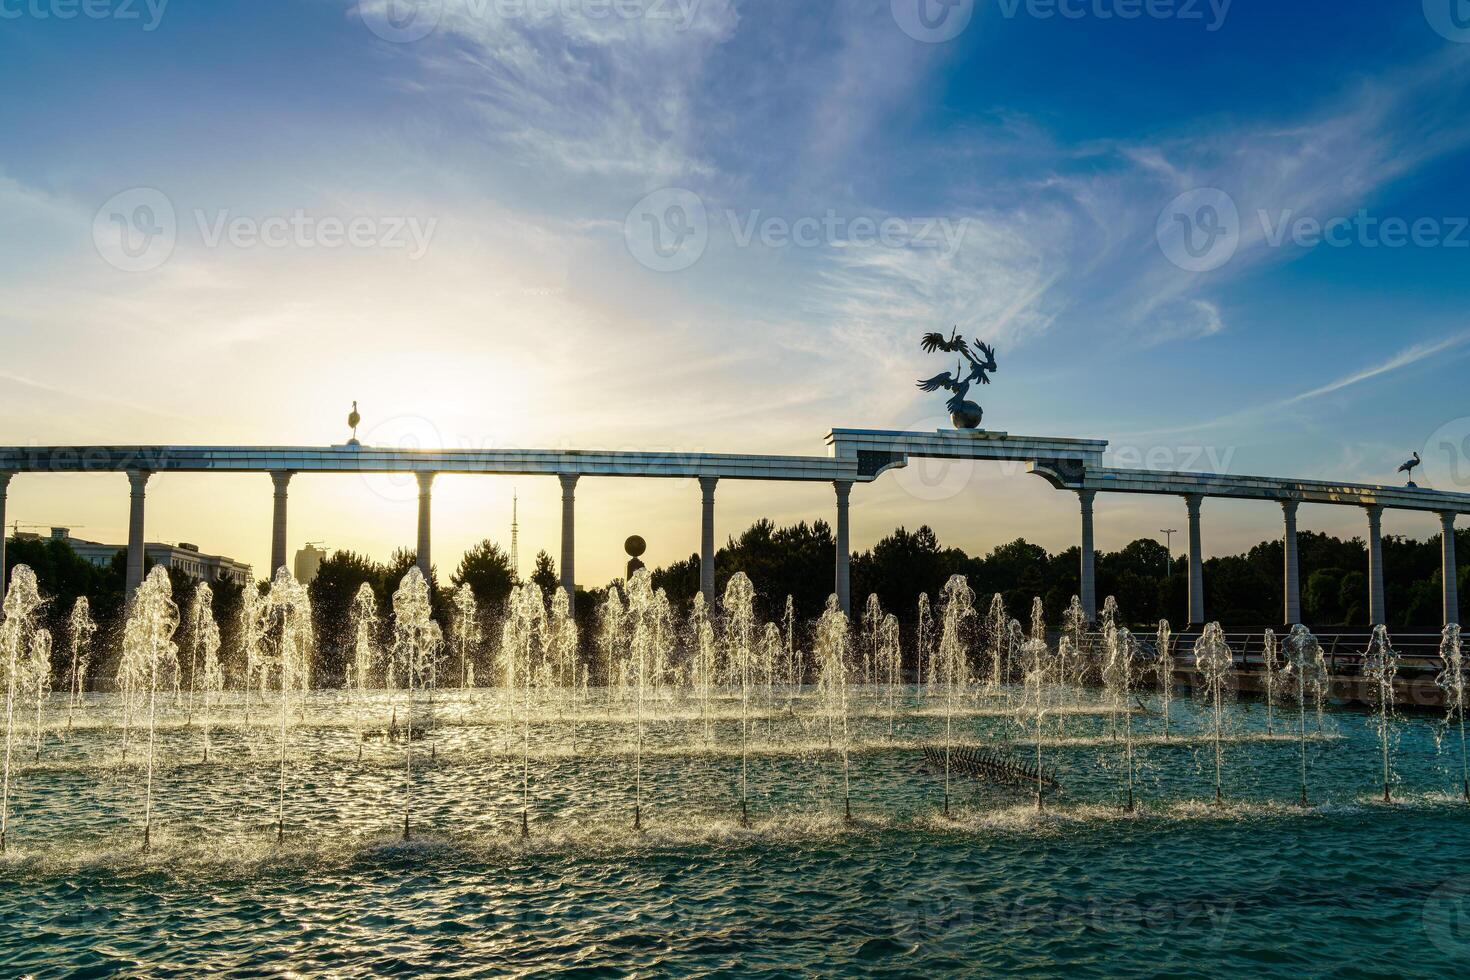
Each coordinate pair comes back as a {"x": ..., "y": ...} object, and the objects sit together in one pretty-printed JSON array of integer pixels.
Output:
[{"x": 1348, "y": 887}]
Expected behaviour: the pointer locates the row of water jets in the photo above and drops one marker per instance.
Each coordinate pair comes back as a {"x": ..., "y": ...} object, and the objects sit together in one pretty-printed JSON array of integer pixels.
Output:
[{"x": 648, "y": 656}]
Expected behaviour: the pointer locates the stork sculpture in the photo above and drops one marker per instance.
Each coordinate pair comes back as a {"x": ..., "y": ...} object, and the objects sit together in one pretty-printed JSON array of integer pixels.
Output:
[
  {"x": 963, "y": 413},
  {"x": 352, "y": 420},
  {"x": 1409, "y": 469}
]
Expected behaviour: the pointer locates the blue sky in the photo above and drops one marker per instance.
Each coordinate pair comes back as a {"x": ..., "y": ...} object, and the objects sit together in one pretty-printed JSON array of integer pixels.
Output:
[{"x": 1024, "y": 166}]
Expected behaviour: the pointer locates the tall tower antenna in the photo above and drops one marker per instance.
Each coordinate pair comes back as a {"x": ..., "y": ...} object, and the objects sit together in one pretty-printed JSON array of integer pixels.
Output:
[{"x": 515, "y": 533}]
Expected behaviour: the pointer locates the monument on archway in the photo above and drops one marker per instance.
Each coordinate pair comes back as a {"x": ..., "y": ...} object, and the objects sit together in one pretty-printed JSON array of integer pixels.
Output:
[{"x": 964, "y": 413}]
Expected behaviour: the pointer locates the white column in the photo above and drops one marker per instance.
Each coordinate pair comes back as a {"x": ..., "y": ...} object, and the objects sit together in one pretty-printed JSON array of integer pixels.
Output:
[
  {"x": 425, "y": 557},
  {"x": 1089, "y": 557},
  {"x": 707, "y": 537},
  {"x": 1196, "y": 561},
  {"x": 844, "y": 552},
  {"x": 1449, "y": 569},
  {"x": 281, "y": 479},
  {"x": 4, "y": 491},
  {"x": 1293, "y": 583},
  {"x": 1377, "y": 606},
  {"x": 138, "y": 481},
  {"x": 569, "y": 536}
]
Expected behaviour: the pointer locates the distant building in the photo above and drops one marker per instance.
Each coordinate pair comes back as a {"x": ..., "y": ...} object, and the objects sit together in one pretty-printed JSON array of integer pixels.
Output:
[
  {"x": 308, "y": 560},
  {"x": 183, "y": 557}
]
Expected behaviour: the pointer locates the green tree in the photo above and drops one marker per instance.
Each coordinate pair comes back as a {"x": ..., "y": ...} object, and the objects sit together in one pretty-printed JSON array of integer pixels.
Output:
[
  {"x": 900, "y": 567},
  {"x": 1352, "y": 599},
  {"x": 1322, "y": 597},
  {"x": 1239, "y": 591},
  {"x": 486, "y": 569},
  {"x": 544, "y": 577},
  {"x": 796, "y": 560},
  {"x": 62, "y": 576},
  {"x": 337, "y": 580}
]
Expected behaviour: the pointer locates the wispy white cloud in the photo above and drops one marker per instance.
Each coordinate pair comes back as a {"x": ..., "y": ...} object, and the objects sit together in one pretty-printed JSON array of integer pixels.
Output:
[
  {"x": 1103, "y": 198},
  {"x": 1407, "y": 357},
  {"x": 611, "y": 96}
]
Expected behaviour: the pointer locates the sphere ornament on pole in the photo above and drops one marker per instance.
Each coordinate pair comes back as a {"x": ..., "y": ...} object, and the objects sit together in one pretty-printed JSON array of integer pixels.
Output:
[{"x": 635, "y": 546}]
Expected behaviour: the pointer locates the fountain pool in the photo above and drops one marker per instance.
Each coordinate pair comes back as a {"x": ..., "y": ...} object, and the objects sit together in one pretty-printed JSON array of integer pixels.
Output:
[{"x": 1258, "y": 884}]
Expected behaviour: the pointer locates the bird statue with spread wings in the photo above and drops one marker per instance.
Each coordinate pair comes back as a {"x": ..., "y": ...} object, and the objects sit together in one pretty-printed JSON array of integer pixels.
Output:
[{"x": 963, "y": 413}]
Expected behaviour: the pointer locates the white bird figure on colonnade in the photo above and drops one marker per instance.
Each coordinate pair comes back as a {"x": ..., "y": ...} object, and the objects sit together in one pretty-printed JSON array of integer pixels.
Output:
[{"x": 1409, "y": 468}]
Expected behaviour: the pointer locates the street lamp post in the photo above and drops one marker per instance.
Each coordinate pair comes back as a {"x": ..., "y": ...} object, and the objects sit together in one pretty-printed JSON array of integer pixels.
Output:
[{"x": 1168, "y": 533}]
